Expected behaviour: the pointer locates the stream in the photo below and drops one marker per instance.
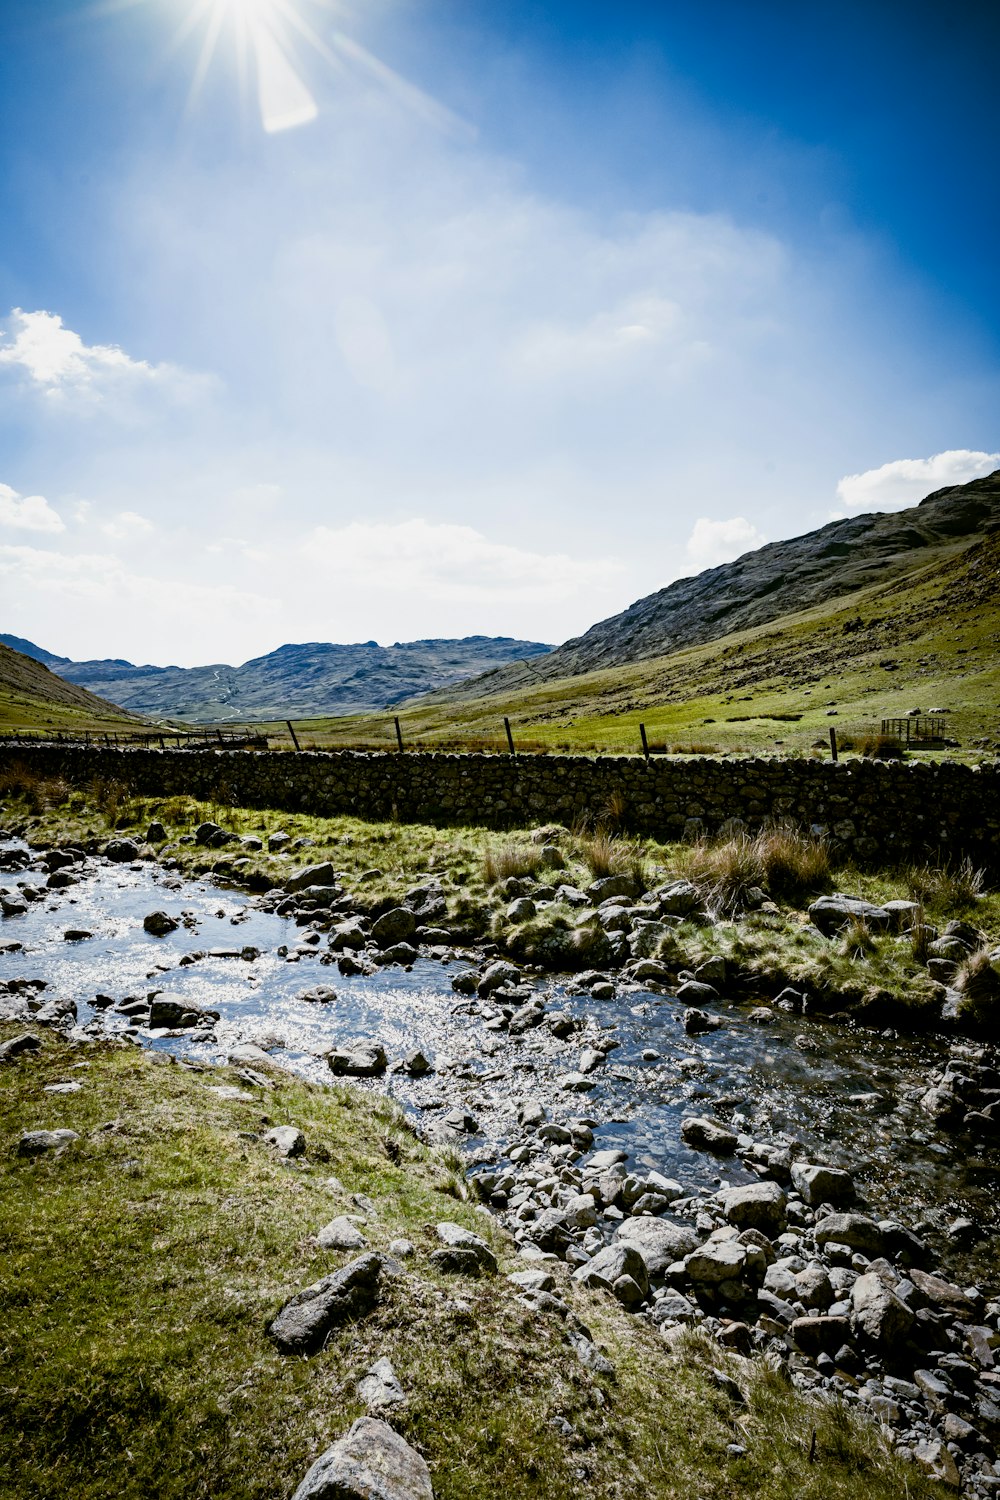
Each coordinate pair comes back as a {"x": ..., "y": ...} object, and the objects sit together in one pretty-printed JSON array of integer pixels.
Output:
[{"x": 850, "y": 1096}]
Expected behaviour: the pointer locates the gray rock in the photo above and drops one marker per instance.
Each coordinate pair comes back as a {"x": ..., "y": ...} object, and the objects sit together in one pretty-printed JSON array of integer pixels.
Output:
[
  {"x": 121, "y": 851},
  {"x": 819, "y": 1184},
  {"x": 498, "y": 976},
  {"x": 320, "y": 994},
  {"x": 305, "y": 1321},
  {"x": 357, "y": 1060},
  {"x": 396, "y": 926},
  {"x": 878, "y": 1312},
  {"x": 935, "y": 1460},
  {"x": 287, "y": 1140},
  {"x": 658, "y": 1241},
  {"x": 718, "y": 1260},
  {"x": 855, "y": 1230},
  {"x": 648, "y": 971},
  {"x": 705, "y": 1134},
  {"x": 37, "y": 1142},
  {"x": 464, "y": 1250},
  {"x": 323, "y": 874},
  {"x": 816, "y": 1334},
  {"x": 156, "y": 833},
  {"x": 26, "y": 1042},
  {"x": 371, "y": 1463},
  {"x": 278, "y": 841},
  {"x": 341, "y": 1234},
  {"x": 678, "y": 898},
  {"x": 693, "y": 992},
  {"x": 178, "y": 1014},
  {"x": 760, "y": 1205},
  {"x": 416, "y": 1064},
  {"x": 159, "y": 923},
  {"x": 614, "y": 885},
  {"x": 379, "y": 1387},
  {"x": 831, "y": 913},
  {"x": 615, "y": 1263}
]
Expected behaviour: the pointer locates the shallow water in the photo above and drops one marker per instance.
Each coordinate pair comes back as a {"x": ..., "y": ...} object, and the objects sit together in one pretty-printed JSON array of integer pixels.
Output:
[{"x": 851, "y": 1102}]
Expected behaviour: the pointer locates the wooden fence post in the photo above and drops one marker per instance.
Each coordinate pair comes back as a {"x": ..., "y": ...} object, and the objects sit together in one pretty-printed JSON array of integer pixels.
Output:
[
  {"x": 645, "y": 742},
  {"x": 510, "y": 737},
  {"x": 833, "y": 743},
  {"x": 399, "y": 734},
  {"x": 291, "y": 731}
]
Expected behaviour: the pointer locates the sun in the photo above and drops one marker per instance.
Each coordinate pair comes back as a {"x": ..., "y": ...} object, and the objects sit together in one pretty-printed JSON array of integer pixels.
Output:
[{"x": 266, "y": 34}]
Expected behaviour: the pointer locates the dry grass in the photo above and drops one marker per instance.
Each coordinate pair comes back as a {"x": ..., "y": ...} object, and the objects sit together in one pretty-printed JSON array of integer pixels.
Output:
[
  {"x": 511, "y": 859},
  {"x": 787, "y": 864},
  {"x": 877, "y": 746},
  {"x": 606, "y": 853},
  {"x": 948, "y": 888},
  {"x": 919, "y": 935}
]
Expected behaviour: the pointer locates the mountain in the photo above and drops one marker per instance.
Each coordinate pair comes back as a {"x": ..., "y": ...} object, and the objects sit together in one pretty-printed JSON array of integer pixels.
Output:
[
  {"x": 32, "y": 696},
  {"x": 761, "y": 586},
  {"x": 294, "y": 682}
]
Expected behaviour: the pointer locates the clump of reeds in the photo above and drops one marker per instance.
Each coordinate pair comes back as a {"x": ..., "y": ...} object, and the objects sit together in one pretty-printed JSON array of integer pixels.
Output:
[{"x": 511, "y": 859}]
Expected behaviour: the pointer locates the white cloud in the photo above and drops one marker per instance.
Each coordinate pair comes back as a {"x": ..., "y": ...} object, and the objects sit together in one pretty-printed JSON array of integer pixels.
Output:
[
  {"x": 44, "y": 589},
  {"x": 27, "y": 512},
  {"x": 53, "y": 355},
  {"x": 126, "y": 525},
  {"x": 453, "y": 563},
  {"x": 40, "y": 350},
  {"x": 907, "y": 480},
  {"x": 715, "y": 542}
]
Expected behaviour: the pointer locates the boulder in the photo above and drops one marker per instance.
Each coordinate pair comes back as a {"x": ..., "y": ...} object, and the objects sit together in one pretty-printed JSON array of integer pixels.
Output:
[
  {"x": 396, "y": 926},
  {"x": 717, "y": 1260},
  {"x": 341, "y": 1234},
  {"x": 760, "y": 1205},
  {"x": 287, "y": 1140},
  {"x": 177, "y": 1015},
  {"x": 854, "y": 1230},
  {"x": 159, "y": 923},
  {"x": 817, "y": 1334},
  {"x": 877, "y": 1312},
  {"x": 705, "y": 1134},
  {"x": 831, "y": 913},
  {"x": 305, "y": 1321},
  {"x": 677, "y": 899},
  {"x": 497, "y": 976},
  {"x": 658, "y": 1241},
  {"x": 610, "y": 1265},
  {"x": 323, "y": 874},
  {"x": 320, "y": 994},
  {"x": 935, "y": 1460},
  {"x": 357, "y": 1060},
  {"x": 464, "y": 1251},
  {"x": 819, "y": 1184},
  {"x": 37, "y": 1142},
  {"x": 121, "y": 851},
  {"x": 379, "y": 1387},
  {"x": 693, "y": 992},
  {"x": 26, "y": 1042},
  {"x": 614, "y": 885},
  {"x": 371, "y": 1463}
]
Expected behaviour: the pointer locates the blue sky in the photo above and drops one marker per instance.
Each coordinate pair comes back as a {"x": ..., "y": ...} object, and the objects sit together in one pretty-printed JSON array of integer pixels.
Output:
[{"x": 537, "y": 306}]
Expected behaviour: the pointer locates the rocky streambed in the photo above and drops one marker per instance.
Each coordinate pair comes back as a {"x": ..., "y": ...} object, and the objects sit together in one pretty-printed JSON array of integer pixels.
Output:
[{"x": 808, "y": 1189}]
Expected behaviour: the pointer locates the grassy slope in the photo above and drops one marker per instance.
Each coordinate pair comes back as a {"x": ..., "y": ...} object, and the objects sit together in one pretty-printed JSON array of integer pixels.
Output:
[
  {"x": 140, "y": 1266},
  {"x": 32, "y": 697},
  {"x": 939, "y": 627}
]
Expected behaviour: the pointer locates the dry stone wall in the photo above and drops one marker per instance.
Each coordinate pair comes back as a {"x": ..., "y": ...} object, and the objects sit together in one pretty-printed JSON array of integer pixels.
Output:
[{"x": 875, "y": 809}]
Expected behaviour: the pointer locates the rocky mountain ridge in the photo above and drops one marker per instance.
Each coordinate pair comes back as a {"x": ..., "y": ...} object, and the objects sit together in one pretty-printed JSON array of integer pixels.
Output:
[
  {"x": 307, "y": 680},
  {"x": 777, "y": 579}
]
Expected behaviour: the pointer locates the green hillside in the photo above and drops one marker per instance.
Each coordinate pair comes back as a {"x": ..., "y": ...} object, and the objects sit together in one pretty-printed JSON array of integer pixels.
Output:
[
  {"x": 32, "y": 697},
  {"x": 928, "y": 637}
]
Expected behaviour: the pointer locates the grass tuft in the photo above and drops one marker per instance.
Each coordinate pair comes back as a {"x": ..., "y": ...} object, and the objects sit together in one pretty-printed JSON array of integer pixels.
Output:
[
  {"x": 511, "y": 859},
  {"x": 787, "y": 864}
]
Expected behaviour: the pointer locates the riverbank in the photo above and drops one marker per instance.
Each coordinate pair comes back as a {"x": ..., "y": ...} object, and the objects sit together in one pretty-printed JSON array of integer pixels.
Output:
[
  {"x": 144, "y": 1258},
  {"x": 648, "y": 1131}
]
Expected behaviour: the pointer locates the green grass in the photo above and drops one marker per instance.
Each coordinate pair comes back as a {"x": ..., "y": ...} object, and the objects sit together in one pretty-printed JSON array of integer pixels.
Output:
[{"x": 139, "y": 1267}]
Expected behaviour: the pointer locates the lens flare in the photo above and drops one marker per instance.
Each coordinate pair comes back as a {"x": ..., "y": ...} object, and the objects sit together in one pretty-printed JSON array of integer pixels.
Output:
[{"x": 267, "y": 37}]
